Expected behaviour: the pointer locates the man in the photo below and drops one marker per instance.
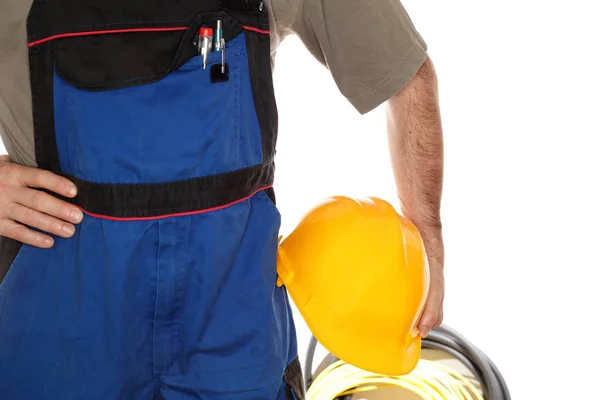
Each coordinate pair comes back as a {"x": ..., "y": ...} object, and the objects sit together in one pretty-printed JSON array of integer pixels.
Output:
[{"x": 137, "y": 216}]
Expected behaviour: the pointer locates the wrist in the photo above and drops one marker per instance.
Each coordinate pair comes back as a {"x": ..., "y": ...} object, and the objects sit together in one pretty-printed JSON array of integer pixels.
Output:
[
  {"x": 431, "y": 233},
  {"x": 424, "y": 223}
]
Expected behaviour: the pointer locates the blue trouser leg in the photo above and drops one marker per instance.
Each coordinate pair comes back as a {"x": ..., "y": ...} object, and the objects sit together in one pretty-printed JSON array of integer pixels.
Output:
[
  {"x": 183, "y": 306},
  {"x": 234, "y": 334},
  {"x": 76, "y": 320}
]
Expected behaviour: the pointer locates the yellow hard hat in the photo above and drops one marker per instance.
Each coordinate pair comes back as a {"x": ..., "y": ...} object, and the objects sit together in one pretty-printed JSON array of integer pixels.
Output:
[{"x": 357, "y": 272}]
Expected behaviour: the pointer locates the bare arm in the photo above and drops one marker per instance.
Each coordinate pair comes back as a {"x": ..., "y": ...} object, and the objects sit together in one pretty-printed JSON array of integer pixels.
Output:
[{"x": 416, "y": 147}]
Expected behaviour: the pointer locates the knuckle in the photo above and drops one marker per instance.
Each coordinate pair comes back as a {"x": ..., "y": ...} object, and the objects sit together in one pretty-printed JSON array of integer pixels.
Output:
[
  {"x": 29, "y": 217},
  {"x": 18, "y": 232},
  {"x": 37, "y": 177},
  {"x": 49, "y": 179},
  {"x": 5, "y": 193},
  {"x": 38, "y": 199},
  {"x": 63, "y": 210},
  {"x": 56, "y": 227},
  {"x": 52, "y": 182},
  {"x": 5, "y": 166},
  {"x": 431, "y": 308},
  {"x": 428, "y": 320},
  {"x": 12, "y": 210}
]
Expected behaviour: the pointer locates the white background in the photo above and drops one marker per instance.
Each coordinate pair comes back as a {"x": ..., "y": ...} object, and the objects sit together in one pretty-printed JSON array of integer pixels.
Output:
[{"x": 519, "y": 84}]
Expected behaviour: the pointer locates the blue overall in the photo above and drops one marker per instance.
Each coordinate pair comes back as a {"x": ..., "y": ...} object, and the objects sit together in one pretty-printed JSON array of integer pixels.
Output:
[{"x": 168, "y": 288}]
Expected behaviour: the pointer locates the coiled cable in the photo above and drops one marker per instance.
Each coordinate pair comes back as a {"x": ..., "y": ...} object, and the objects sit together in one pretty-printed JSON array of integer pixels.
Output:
[
  {"x": 493, "y": 384},
  {"x": 430, "y": 380}
]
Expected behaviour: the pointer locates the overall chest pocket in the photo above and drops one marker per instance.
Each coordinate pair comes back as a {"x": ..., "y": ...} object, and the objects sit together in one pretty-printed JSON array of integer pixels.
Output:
[{"x": 140, "y": 107}]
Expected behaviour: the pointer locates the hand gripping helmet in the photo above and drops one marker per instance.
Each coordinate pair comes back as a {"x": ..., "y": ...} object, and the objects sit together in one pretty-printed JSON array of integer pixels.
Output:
[{"x": 357, "y": 272}]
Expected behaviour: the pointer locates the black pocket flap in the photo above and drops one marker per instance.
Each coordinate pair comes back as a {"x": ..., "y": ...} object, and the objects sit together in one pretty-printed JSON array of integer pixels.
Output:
[
  {"x": 116, "y": 60},
  {"x": 97, "y": 62}
]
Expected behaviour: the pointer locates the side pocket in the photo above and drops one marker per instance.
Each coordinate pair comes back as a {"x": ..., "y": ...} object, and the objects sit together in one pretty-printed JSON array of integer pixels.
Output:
[
  {"x": 271, "y": 194},
  {"x": 268, "y": 196},
  {"x": 10, "y": 250},
  {"x": 294, "y": 381}
]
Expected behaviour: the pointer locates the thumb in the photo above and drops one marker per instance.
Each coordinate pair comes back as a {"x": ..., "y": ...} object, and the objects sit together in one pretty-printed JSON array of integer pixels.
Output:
[{"x": 429, "y": 318}]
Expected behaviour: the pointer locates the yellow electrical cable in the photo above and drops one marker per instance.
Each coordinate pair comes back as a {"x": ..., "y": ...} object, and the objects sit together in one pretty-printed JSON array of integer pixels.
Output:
[{"x": 429, "y": 380}]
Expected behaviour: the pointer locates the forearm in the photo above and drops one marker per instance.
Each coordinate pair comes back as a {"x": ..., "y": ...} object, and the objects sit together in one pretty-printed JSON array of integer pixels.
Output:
[{"x": 416, "y": 146}]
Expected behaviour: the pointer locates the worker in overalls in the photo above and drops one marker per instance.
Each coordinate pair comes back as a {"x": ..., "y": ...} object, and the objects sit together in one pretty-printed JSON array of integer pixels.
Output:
[{"x": 138, "y": 219}]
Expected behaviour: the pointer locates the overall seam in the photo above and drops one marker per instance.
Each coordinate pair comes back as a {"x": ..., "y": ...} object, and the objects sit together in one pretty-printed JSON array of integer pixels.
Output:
[
  {"x": 251, "y": 56},
  {"x": 155, "y": 375},
  {"x": 237, "y": 94},
  {"x": 180, "y": 290}
]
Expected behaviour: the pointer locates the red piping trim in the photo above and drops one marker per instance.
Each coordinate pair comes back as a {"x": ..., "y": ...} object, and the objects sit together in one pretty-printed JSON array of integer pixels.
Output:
[
  {"x": 253, "y": 29},
  {"x": 75, "y": 34},
  {"x": 176, "y": 214}
]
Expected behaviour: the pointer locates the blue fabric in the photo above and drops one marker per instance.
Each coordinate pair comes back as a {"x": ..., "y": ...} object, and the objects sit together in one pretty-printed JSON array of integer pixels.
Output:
[
  {"x": 186, "y": 306},
  {"x": 133, "y": 135},
  {"x": 178, "y": 308}
]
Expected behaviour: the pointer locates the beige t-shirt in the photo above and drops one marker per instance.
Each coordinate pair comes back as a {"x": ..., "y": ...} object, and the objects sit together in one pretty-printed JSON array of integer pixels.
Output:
[{"x": 370, "y": 47}]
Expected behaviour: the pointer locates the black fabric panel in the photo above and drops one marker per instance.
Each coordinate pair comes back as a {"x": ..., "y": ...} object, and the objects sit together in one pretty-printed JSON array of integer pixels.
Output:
[
  {"x": 107, "y": 61},
  {"x": 295, "y": 382},
  {"x": 254, "y": 19},
  {"x": 157, "y": 199},
  {"x": 40, "y": 69},
  {"x": 271, "y": 194},
  {"x": 259, "y": 60},
  {"x": 49, "y": 18},
  {"x": 9, "y": 249},
  {"x": 118, "y": 60},
  {"x": 245, "y": 6}
]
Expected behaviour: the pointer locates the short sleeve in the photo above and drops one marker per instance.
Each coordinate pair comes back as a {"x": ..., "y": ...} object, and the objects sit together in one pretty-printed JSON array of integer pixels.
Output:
[{"x": 371, "y": 47}]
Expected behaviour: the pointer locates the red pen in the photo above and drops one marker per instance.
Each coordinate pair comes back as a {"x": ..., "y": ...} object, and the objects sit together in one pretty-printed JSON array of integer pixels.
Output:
[{"x": 205, "y": 39}]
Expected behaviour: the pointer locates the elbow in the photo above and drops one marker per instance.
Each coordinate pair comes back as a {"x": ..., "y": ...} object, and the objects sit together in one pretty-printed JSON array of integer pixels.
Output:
[
  {"x": 422, "y": 87},
  {"x": 423, "y": 81},
  {"x": 426, "y": 72}
]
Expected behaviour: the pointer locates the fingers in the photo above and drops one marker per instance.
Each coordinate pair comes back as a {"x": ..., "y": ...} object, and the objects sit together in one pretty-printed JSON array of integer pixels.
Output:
[
  {"x": 24, "y": 210},
  {"x": 21, "y": 233},
  {"x": 433, "y": 313},
  {"x": 426, "y": 323},
  {"x": 440, "y": 319},
  {"x": 432, "y": 317},
  {"x": 44, "y": 222},
  {"x": 41, "y": 179},
  {"x": 47, "y": 204}
]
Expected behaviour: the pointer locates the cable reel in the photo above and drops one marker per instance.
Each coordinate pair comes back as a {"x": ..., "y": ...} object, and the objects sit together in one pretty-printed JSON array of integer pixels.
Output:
[{"x": 430, "y": 380}]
